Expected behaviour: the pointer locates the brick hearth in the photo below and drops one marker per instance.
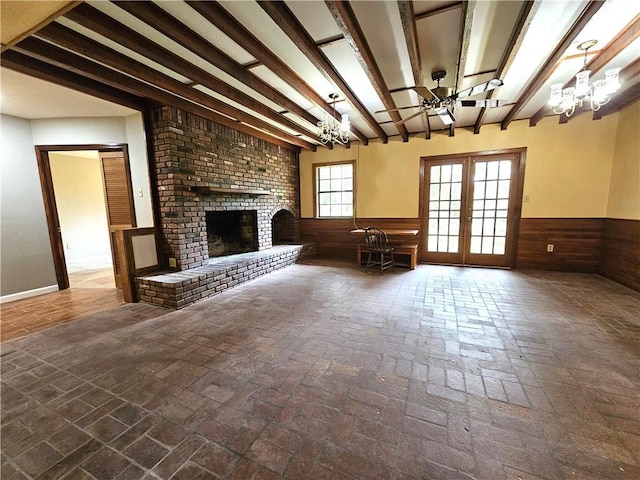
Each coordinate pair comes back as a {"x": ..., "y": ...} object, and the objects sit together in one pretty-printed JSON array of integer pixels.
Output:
[{"x": 180, "y": 289}]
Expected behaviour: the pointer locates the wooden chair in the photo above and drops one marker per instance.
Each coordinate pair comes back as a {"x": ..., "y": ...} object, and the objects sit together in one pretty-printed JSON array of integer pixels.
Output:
[{"x": 380, "y": 253}]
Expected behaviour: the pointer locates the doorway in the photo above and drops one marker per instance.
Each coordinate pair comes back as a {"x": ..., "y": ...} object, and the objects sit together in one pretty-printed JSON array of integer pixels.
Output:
[
  {"x": 471, "y": 207},
  {"x": 85, "y": 204}
]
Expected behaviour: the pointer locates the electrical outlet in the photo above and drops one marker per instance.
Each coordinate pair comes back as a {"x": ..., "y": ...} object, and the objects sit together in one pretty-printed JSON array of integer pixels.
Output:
[
  {"x": 172, "y": 262},
  {"x": 550, "y": 247}
]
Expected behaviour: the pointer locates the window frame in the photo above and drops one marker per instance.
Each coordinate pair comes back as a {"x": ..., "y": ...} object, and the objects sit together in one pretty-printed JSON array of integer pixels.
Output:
[{"x": 316, "y": 192}]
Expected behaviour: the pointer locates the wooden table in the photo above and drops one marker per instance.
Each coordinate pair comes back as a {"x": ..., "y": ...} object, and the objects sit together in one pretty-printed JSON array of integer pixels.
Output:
[
  {"x": 391, "y": 231},
  {"x": 401, "y": 248}
]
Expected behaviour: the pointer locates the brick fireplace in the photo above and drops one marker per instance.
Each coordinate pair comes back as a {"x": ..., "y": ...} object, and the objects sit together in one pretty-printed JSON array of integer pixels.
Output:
[
  {"x": 207, "y": 173},
  {"x": 202, "y": 167}
]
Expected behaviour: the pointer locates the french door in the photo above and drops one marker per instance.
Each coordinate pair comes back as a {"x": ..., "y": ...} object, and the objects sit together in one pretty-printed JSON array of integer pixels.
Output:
[{"x": 471, "y": 208}]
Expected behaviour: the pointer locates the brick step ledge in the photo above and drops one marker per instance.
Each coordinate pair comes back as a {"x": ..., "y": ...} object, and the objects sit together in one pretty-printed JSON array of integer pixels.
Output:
[{"x": 179, "y": 289}]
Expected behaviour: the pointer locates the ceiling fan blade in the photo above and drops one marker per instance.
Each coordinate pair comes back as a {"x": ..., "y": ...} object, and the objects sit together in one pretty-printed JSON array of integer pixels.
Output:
[
  {"x": 489, "y": 102},
  {"x": 408, "y": 118},
  {"x": 396, "y": 109},
  {"x": 425, "y": 93},
  {"x": 445, "y": 115},
  {"x": 480, "y": 88}
]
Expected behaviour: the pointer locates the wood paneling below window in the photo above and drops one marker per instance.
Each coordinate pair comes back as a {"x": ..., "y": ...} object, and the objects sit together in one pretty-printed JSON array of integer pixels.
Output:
[
  {"x": 333, "y": 236},
  {"x": 620, "y": 252}
]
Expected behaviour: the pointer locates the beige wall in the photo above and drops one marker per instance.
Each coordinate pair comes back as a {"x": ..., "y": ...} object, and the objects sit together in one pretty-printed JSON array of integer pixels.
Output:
[
  {"x": 77, "y": 184},
  {"x": 568, "y": 167},
  {"x": 624, "y": 196}
]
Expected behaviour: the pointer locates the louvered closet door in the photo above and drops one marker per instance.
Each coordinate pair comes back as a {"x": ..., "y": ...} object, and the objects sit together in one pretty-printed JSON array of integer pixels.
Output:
[{"x": 119, "y": 200}]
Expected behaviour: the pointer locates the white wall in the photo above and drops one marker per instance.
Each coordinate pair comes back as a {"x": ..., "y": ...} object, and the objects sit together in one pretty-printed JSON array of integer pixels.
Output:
[
  {"x": 26, "y": 262},
  {"x": 139, "y": 170},
  {"x": 86, "y": 131}
]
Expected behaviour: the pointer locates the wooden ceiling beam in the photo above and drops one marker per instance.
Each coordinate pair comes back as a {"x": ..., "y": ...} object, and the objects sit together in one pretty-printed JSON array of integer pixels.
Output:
[
  {"x": 98, "y": 22},
  {"x": 225, "y": 22},
  {"x": 408, "y": 18},
  {"x": 50, "y": 73},
  {"x": 90, "y": 48},
  {"x": 289, "y": 24},
  {"x": 631, "y": 95},
  {"x": 346, "y": 19},
  {"x": 517, "y": 35},
  {"x": 543, "y": 74},
  {"x": 466, "y": 24},
  {"x": 626, "y": 37},
  {"x": 168, "y": 25},
  {"x": 79, "y": 65},
  {"x": 441, "y": 9}
]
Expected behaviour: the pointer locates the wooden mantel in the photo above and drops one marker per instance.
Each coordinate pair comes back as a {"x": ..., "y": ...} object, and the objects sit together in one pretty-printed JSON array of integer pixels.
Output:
[{"x": 207, "y": 190}]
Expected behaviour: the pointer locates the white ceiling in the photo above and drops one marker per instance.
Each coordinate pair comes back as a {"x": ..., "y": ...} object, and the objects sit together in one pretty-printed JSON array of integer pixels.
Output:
[
  {"x": 469, "y": 40},
  {"x": 28, "y": 97}
]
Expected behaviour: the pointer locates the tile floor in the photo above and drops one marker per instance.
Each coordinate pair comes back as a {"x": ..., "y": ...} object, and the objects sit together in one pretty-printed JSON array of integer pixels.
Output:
[{"x": 322, "y": 371}]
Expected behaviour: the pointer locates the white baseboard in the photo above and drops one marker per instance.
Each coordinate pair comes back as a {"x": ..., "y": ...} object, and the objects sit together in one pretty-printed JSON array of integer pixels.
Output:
[{"x": 29, "y": 293}]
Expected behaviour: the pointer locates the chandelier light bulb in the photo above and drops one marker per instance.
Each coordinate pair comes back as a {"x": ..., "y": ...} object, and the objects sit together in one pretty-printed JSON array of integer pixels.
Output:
[
  {"x": 612, "y": 82},
  {"x": 582, "y": 84}
]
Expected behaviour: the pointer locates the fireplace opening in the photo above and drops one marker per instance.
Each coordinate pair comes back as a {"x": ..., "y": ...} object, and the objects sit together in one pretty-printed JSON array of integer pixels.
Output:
[
  {"x": 283, "y": 228},
  {"x": 232, "y": 231}
]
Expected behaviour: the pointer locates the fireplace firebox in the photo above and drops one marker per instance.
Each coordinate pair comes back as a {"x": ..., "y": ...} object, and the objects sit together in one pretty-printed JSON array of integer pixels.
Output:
[{"x": 232, "y": 231}]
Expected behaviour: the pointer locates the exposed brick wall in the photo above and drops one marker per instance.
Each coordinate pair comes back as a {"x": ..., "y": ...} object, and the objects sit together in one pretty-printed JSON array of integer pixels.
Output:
[{"x": 191, "y": 151}]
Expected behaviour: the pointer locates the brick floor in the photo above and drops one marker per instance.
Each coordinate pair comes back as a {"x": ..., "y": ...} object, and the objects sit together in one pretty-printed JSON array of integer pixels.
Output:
[{"x": 323, "y": 371}]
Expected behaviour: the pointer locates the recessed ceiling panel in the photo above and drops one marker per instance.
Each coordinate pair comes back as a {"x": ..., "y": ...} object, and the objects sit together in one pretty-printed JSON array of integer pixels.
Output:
[
  {"x": 316, "y": 19},
  {"x": 251, "y": 15},
  {"x": 438, "y": 39},
  {"x": 122, "y": 50},
  {"x": 389, "y": 49},
  {"x": 187, "y": 15},
  {"x": 538, "y": 43},
  {"x": 493, "y": 23},
  {"x": 345, "y": 62}
]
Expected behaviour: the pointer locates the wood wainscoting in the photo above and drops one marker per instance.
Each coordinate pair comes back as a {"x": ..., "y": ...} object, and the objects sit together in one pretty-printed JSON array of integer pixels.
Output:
[
  {"x": 620, "y": 252},
  {"x": 333, "y": 236},
  {"x": 576, "y": 244}
]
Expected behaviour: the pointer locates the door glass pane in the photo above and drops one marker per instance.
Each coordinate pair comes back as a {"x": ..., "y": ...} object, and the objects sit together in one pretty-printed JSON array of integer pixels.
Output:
[
  {"x": 492, "y": 170},
  {"x": 505, "y": 169},
  {"x": 445, "y": 195},
  {"x": 490, "y": 207},
  {"x": 475, "y": 244}
]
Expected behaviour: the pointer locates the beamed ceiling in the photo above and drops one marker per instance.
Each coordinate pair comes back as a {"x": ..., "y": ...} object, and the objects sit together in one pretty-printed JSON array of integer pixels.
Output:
[{"x": 268, "y": 68}]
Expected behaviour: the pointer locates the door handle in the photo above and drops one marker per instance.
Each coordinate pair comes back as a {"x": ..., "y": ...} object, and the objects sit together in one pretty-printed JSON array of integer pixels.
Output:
[{"x": 468, "y": 219}]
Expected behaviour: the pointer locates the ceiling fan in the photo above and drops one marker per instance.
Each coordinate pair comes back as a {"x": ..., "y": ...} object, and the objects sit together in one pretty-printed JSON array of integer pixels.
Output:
[{"x": 441, "y": 100}]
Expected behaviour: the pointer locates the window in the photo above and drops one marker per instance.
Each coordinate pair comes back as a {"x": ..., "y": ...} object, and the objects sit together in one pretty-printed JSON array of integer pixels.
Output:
[{"x": 334, "y": 190}]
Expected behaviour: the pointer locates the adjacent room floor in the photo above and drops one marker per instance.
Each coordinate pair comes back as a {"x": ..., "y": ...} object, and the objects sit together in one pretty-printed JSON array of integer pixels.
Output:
[{"x": 323, "y": 371}]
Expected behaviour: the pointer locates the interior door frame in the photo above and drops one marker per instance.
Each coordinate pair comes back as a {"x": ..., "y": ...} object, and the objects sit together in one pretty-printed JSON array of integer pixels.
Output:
[
  {"x": 521, "y": 158},
  {"x": 50, "y": 206}
]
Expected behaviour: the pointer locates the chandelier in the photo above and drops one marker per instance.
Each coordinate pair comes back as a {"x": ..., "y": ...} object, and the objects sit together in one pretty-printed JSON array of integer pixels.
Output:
[
  {"x": 568, "y": 99},
  {"x": 332, "y": 131}
]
